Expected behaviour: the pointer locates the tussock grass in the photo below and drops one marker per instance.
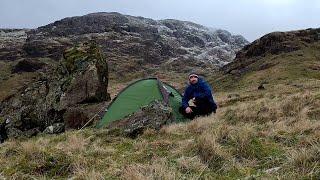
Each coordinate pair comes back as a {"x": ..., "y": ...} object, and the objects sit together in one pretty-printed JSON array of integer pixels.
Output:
[
  {"x": 159, "y": 169},
  {"x": 272, "y": 134},
  {"x": 305, "y": 160}
]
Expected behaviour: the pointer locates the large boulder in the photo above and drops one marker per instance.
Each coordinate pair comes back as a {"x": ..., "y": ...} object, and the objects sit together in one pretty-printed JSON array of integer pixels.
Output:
[
  {"x": 69, "y": 93},
  {"x": 88, "y": 79}
]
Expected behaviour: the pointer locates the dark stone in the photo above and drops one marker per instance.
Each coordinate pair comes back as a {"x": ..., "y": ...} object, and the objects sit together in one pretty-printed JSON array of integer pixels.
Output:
[
  {"x": 261, "y": 87},
  {"x": 75, "y": 118},
  {"x": 43, "y": 47},
  {"x": 88, "y": 79},
  {"x": 233, "y": 96},
  {"x": 298, "y": 85},
  {"x": 32, "y": 132},
  {"x": 14, "y": 133}
]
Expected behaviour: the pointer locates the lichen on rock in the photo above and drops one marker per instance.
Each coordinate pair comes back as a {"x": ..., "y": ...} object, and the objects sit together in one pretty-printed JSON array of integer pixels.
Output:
[
  {"x": 87, "y": 77},
  {"x": 60, "y": 93}
]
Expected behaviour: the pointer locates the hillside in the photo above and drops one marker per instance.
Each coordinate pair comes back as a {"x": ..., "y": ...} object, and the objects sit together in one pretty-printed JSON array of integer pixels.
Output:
[
  {"x": 271, "y": 133},
  {"x": 49, "y": 76},
  {"x": 277, "y": 58},
  {"x": 134, "y": 46}
]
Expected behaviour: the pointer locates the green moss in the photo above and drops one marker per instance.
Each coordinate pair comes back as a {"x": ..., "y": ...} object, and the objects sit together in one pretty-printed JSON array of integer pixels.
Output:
[
  {"x": 2, "y": 120},
  {"x": 76, "y": 58}
]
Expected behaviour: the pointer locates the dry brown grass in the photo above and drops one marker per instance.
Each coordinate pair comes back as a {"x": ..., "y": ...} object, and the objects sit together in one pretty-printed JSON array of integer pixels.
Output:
[
  {"x": 88, "y": 174},
  {"x": 158, "y": 169},
  {"x": 75, "y": 143},
  {"x": 305, "y": 160},
  {"x": 211, "y": 151},
  {"x": 14, "y": 84},
  {"x": 271, "y": 136},
  {"x": 191, "y": 164}
]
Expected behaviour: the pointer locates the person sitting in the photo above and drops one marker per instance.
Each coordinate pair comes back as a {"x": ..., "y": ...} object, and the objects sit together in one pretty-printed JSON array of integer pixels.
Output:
[{"x": 199, "y": 92}]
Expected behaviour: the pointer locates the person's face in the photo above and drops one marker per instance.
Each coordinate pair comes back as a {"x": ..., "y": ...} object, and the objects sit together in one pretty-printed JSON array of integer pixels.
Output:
[{"x": 193, "y": 79}]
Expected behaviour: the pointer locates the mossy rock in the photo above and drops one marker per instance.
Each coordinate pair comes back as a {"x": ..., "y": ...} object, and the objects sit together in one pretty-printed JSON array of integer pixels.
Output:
[{"x": 77, "y": 58}]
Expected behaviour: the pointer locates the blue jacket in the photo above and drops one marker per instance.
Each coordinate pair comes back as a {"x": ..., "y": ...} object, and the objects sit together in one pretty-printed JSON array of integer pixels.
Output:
[{"x": 201, "y": 91}]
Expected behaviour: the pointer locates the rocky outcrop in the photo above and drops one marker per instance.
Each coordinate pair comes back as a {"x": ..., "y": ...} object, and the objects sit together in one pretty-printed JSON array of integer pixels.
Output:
[
  {"x": 272, "y": 44},
  {"x": 11, "y": 44},
  {"x": 147, "y": 39},
  {"x": 88, "y": 76},
  {"x": 125, "y": 40},
  {"x": 153, "y": 116},
  {"x": 62, "y": 94}
]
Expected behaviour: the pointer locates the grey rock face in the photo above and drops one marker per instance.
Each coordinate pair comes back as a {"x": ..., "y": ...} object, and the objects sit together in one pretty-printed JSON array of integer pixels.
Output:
[
  {"x": 11, "y": 42},
  {"x": 62, "y": 94},
  {"x": 151, "y": 40}
]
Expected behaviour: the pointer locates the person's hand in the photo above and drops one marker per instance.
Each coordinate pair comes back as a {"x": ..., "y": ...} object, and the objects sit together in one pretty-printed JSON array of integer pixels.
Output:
[
  {"x": 188, "y": 110},
  {"x": 194, "y": 100}
]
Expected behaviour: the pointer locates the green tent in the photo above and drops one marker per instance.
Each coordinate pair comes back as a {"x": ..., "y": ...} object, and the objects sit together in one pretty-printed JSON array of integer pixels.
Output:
[{"x": 142, "y": 93}]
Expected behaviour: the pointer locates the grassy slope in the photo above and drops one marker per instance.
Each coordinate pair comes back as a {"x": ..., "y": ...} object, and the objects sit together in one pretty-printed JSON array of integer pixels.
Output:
[
  {"x": 259, "y": 134},
  {"x": 285, "y": 68},
  {"x": 273, "y": 133},
  {"x": 12, "y": 83}
]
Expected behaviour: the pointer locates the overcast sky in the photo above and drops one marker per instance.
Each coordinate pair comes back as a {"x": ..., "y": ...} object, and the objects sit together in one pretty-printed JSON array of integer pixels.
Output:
[{"x": 250, "y": 18}]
